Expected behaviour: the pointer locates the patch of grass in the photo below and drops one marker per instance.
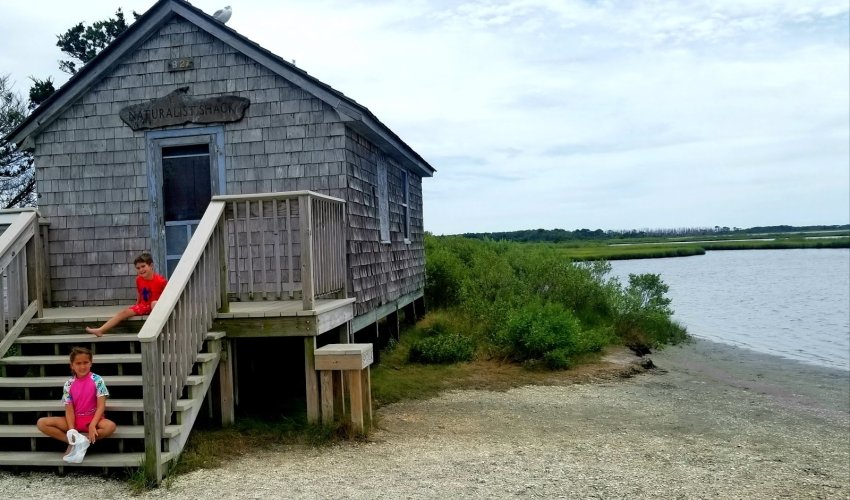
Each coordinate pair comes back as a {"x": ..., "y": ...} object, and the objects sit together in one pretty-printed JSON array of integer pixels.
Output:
[
  {"x": 137, "y": 480},
  {"x": 395, "y": 379},
  {"x": 212, "y": 448},
  {"x": 443, "y": 348}
]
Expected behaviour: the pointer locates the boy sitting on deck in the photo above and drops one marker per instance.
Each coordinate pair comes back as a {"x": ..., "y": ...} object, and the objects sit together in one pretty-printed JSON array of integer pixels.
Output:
[{"x": 149, "y": 287}]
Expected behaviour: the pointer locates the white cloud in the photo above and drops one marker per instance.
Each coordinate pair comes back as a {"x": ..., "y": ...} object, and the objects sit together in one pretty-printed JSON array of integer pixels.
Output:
[{"x": 559, "y": 113}]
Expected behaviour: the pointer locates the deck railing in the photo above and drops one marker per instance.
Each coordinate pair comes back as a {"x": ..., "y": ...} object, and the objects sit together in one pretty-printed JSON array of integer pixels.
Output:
[
  {"x": 253, "y": 247},
  {"x": 21, "y": 271},
  {"x": 285, "y": 244}
]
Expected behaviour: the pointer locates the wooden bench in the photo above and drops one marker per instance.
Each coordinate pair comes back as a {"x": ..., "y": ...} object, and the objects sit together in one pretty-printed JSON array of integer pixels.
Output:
[{"x": 349, "y": 364}]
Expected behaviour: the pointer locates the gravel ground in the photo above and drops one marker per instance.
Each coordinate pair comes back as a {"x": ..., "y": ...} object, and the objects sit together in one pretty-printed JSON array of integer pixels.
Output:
[{"x": 711, "y": 422}]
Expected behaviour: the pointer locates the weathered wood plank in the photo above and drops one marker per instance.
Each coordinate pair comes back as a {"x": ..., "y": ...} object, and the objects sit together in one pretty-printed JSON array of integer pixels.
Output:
[
  {"x": 327, "y": 388},
  {"x": 311, "y": 382},
  {"x": 355, "y": 396},
  {"x": 225, "y": 377},
  {"x": 153, "y": 409}
]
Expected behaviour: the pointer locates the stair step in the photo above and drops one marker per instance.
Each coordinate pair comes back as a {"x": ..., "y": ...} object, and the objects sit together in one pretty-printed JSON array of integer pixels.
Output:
[
  {"x": 215, "y": 335},
  {"x": 123, "y": 431},
  {"x": 76, "y": 338},
  {"x": 93, "y": 459},
  {"x": 88, "y": 338},
  {"x": 99, "y": 359},
  {"x": 111, "y": 405},
  {"x": 111, "y": 380},
  {"x": 63, "y": 360}
]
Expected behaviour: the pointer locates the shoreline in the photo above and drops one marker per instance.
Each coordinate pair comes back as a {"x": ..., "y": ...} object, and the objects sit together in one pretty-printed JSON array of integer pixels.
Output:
[
  {"x": 790, "y": 382},
  {"x": 711, "y": 421}
]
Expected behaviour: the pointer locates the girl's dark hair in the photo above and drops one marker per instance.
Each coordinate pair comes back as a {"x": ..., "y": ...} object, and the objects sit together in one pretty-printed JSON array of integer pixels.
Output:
[{"x": 80, "y": 350}]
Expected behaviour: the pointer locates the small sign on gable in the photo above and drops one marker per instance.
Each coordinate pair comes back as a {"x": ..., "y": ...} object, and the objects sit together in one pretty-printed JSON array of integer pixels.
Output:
[
  {"x": 181, "y": 64},
  {"x": 177, "y": 108}
]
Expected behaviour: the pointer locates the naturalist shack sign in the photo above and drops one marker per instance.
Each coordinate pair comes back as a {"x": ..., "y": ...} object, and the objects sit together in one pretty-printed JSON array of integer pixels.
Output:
[{"x": 177, "y": 108}]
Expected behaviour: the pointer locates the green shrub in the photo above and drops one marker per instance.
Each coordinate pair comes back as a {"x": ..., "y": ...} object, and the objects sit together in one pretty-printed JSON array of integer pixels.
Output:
[
  {"x": 536, "y": 329},
  {"x": 557, "y": 359},
  {"x": 442, "y": 348},
  {"x": 643, "y": 318},
  {"x": 526, "y": 302}
]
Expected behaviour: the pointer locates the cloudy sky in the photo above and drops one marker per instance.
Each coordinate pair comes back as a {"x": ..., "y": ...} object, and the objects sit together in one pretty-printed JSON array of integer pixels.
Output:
[{"x": 610, "y": 114}]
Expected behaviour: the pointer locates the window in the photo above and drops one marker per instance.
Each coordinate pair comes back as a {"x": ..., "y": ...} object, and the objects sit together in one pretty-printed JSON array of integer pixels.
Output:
[
  {"x": 383, "y": 200},
  {"x": 405, "y": 204}
]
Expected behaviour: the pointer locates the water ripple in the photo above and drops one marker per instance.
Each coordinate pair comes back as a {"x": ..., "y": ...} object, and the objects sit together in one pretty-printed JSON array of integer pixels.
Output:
[{"x": 790, "y": 303}]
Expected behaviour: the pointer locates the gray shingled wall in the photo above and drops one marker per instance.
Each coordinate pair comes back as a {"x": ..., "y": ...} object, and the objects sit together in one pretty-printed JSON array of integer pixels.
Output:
[
  {"x": 92, "y": 171},
  {"x": 381, "y": 272}
]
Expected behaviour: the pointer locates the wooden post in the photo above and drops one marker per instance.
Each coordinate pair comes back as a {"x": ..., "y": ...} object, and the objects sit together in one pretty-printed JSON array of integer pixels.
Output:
[
  {"x": 225, "y": 379},
  {"x": 393, "y": 325},
  {"x": 306, "y": 222},
  {"x": 342, "y": 332},
  {"x": 327, "y": 396},
  {"x": 153, "y": 411},
  {"x": 45, "y": 268},
  {"x": 35, "y": 271},
  {"x": 366, "y": 391},
  {"x": 222, "y": 264},
  {"x": 409, "y": 314},
  {"x": 311, "y": 383},
  {"x": 355, "y": 395}
]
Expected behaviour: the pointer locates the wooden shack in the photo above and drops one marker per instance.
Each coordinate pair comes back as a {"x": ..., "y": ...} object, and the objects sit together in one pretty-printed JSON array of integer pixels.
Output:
[{"x": 278, "y": 207}]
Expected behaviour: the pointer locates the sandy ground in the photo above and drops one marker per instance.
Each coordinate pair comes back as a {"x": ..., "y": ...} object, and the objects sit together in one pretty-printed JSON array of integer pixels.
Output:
[{"x": 711, "y": 422}]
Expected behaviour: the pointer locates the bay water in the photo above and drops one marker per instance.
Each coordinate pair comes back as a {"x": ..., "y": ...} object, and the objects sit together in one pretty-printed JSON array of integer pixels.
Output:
[{"x": 789, "y": 303}]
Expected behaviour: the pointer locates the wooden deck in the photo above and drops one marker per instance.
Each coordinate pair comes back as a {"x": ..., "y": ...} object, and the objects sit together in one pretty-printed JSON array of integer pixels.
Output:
[{"x": 272, "y": 318}]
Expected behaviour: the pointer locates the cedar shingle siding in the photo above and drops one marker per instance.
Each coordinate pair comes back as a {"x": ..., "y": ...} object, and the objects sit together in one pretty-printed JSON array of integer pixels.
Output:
[
  {"x": 93, "y": 180},
  {"x": 381, "y": 272}
]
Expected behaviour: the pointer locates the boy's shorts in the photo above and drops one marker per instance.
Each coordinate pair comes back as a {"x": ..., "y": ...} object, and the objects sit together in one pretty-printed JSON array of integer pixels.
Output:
[{"x": 141, "y": 309}]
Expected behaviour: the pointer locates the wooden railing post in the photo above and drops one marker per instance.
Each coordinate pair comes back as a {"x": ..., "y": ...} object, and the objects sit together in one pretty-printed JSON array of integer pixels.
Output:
[
  {"x": 222, "y": 266},
  {"x": 35, "y": 270},
  {"x": 305, "y": 211},
  {"x": 153, "y": 401},
  {"x": 45, "y": 267}
]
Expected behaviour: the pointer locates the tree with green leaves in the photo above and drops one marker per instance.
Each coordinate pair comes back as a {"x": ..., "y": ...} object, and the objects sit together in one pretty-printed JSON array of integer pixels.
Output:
[
  {"x": 40, "y": 91},
  {"x": 17, "y": 171},
  {"x": 17, "y": 175},
  {"x": 83, "y": 43}
]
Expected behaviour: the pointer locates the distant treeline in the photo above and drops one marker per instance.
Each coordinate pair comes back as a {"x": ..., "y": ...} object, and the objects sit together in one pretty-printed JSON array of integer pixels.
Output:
[{"x": 559, "y": 235}]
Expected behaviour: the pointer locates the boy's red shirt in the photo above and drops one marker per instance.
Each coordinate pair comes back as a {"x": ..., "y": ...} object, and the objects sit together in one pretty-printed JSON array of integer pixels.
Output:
[{"x": 150, "y": 290}]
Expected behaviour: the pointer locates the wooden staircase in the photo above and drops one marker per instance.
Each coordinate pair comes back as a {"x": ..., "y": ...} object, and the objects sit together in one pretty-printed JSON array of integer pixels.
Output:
[
  {"x": 34, "y": 370},
  {"x": 261, "y": 247}
]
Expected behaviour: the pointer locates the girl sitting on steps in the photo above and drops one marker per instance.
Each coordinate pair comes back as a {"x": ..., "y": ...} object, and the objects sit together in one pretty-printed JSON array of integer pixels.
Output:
[{"x": 84, "y": 395}]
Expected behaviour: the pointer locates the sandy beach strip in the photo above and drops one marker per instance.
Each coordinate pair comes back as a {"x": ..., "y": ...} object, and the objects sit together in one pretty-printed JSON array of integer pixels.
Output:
[{"x": 712, "y": 421}]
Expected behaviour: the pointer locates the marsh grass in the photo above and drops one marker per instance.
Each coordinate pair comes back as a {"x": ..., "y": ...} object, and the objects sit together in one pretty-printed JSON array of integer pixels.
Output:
[{"x": 683, "y": 248}]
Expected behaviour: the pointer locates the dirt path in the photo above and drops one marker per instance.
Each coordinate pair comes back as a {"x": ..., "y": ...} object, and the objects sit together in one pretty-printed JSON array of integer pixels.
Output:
[{"x": 713, "y": 422}]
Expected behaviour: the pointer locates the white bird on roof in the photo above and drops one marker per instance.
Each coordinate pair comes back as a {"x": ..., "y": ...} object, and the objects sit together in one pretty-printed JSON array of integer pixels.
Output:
[{"x": 222, "y": 15}]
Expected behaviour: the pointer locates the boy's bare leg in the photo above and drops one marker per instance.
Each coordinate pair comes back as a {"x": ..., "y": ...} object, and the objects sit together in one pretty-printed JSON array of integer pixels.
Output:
[
  {"x": 57, "y": 428},
  {"x": 118, "y": 318}
]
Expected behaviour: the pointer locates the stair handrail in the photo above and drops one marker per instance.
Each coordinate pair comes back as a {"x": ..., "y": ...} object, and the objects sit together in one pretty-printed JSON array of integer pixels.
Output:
[
  {"x": 174, "y": 333},
  {"x": 21, "y": 260}
]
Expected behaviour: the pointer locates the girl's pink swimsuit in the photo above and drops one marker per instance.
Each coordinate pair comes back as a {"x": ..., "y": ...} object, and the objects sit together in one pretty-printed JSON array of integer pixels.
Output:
[{"x": 83, "y": 393}]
